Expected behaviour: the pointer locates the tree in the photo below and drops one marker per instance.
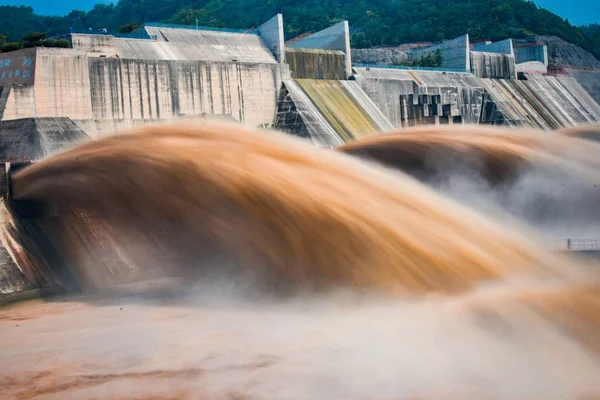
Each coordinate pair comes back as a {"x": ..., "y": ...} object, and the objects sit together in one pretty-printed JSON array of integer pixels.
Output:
[
  {"x": 439, "y": 58},
  {"x": 128, "y": 28},
  {"x": 34, "y": 37},
  {"x": 374, "y": 22},
  {"x": 10, "y": 46}
]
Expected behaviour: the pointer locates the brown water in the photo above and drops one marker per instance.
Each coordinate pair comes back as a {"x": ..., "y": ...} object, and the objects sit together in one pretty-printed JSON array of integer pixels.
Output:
[
  {"x": 549, "y": 181},
  {"x": 418, "y": 296}
]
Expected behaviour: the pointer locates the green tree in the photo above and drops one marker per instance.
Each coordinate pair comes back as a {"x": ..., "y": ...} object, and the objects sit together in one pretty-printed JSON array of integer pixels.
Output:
[
  {"x": 439, "y": 58},
  {"x": 128, "y": 28},
  {"x": 10, "y": 46},
  {"x": 374, "y": 22}
]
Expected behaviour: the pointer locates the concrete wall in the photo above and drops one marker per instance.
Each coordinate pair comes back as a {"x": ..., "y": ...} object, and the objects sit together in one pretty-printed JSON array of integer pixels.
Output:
[
  {"x": 316, "y": 64},
  {"x": 272, "y": 34},
  {"x": 532, "y": 66},
  {"x": 190, "y": 44},
  {"x": 336, "y": 37},
  {"x": 493, "y": 65},
  {"x": 61, "y": 87},
  {"x": 152, "y": 90},
  {"x": 502, "y": 47},
  {"x": 532, "y": 53},
  {"x": 70, "y": 84},
  {"x": 455, "y": 52},
  {"x": 95, "y": 45},
  {"x": 17, "y": 67},
  {"x": 532, "y": 57},
  {"x": 540, "y": 101},
  {"x": 410, "y": 98}
]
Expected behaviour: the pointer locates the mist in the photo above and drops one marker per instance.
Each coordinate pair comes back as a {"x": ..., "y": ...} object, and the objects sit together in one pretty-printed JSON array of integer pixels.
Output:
[{"x": 212, "y": 342}]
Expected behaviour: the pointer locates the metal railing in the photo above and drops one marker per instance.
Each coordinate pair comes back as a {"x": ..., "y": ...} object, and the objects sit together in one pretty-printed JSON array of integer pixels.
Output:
[
  {"x": 200, "y": 28},
  {"x": 391, "y": 66},
  {"x": 575, "y": 244}
]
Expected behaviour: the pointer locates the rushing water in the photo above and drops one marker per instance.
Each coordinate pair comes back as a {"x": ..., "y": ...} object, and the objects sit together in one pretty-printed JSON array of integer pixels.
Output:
[{"x": 308, "y": 274}]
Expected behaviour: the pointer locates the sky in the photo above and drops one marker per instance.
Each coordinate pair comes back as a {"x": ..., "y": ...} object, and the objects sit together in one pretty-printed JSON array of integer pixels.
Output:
[{"x": 579, "y": 12}]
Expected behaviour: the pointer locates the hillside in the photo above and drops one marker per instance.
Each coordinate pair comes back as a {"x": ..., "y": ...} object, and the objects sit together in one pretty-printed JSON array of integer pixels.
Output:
[
  {"x": 562, "y": 53},
  {"x": 374, "y": 22}
]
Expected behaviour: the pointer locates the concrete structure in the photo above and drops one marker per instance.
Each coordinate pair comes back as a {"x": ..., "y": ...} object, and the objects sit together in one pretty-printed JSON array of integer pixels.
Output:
[
  {"x": 493, "y": 65},
  {"x": 298, "y": 115},
  {"x": 51, "y": 99},
  {"x": 410, "y": 98},
  {"x": 532, "y": 58},
  {"x": 336, "y": 37},
  {"x": 316, "y": 64},
  {"x": 455, "y": 53},
  {"x": 589, "y": 80},
  {"x": 501, "y": 47},
  {"x": 33, "y": 139},
  {"x": 543, "y": 102},
  {"x": 329, "y": 112},
  {"x": 105, "y": 83},
  {"x": 272, "y": 34}
]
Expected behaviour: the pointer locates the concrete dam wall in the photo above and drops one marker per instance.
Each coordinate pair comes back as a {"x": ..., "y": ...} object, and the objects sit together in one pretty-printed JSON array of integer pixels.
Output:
[
  {"x": 316, "y": 64},
  {"x": 165, "y": 90},
  {"x": 51, "y": 99},
  {"x": 329, "y": 112},
  {"x": 543, "y": 102},
  {"x": 410, "y": 97},
  {"x": 589, "y": 80},
  {"x": 103, "y": 94}
]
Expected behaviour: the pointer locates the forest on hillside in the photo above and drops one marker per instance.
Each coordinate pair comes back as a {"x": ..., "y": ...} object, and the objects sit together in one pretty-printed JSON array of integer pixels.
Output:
[{"x": 373, "y": 22}]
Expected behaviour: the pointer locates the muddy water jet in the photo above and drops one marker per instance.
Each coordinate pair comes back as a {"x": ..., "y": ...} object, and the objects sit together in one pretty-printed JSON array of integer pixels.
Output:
[{"x": 265, "y": 202}]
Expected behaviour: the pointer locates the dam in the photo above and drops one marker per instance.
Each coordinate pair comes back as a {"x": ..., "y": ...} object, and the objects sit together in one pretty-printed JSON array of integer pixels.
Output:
[{"x": 53, "y": 99}]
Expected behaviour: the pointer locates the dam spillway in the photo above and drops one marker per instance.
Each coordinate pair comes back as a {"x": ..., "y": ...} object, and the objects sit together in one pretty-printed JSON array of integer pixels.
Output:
[{"x": 309, "y": 88}]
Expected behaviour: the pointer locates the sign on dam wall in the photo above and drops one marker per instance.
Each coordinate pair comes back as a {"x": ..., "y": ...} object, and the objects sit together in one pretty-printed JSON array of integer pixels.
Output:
[{"x": 17, "y": 67}]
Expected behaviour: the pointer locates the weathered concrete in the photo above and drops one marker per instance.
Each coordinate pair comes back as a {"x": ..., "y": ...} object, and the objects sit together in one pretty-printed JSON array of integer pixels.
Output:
[
  {"x": 272, "y": 34},
  {"x": 336, "y": 37},
  {"x": 589, "y": 80},
  {"x": 455, "y": 53},
  {"x": 410, "y": 98},
  {"x": 502, "y": 47},
  {"x": 544, "y": 102},
  {"x": 180, "y": 44},
  {"x": 33, "y": 139},
  {"x": 104, "y": 94},
  {"x": 166, "y": 90},
  {"x": 204, "y": 45},
  {"x": 297, "y": 114},
  {"x": 532, "y": 58},
  {"x": 493, "y": 65},
  {"x": 316, "y": 64},
  {"x": 61, "y": 88},
  {"x": 340, "y": 108}
]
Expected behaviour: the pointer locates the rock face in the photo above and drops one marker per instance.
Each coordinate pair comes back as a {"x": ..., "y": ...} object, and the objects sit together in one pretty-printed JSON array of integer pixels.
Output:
[
  {"x": 378, "y": 56},
  {"x": 567, "y": 54}
]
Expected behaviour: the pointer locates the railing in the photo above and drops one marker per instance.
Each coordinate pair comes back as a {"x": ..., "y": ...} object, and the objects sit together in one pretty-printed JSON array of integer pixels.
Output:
[
  {"x": 137, "y": 34},
  {"x": 200, "y": 28},
  {"x": 575, "y": 244},
  {"x": 403, "y": 67}
]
